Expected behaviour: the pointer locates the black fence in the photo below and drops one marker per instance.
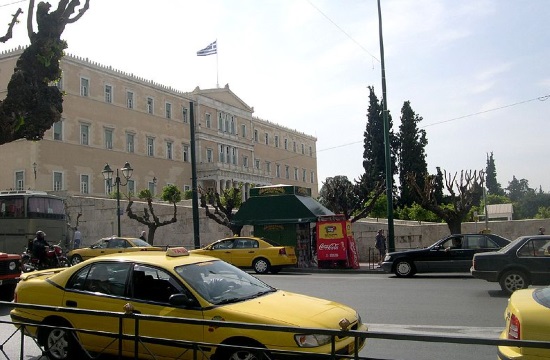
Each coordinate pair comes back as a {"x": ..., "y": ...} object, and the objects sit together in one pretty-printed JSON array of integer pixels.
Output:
[{"x": 195, "y": 350}]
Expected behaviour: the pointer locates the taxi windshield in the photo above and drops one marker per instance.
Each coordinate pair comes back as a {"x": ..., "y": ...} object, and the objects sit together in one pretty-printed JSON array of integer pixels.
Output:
[{"x": 220, "y": 283}]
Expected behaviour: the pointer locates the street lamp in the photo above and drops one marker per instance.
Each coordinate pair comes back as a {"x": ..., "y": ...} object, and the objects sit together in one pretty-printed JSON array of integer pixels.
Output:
[{"x": 108, "y": 175}]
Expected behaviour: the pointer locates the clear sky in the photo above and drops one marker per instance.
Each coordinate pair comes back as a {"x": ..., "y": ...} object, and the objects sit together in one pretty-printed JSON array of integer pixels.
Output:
[{"x": 477, "y": 71}]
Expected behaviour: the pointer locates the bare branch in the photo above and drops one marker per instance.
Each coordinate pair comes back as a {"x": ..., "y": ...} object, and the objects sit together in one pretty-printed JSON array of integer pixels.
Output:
[
  {"x": 9, "y": 33},
  {"x": 30, "y": 14}
]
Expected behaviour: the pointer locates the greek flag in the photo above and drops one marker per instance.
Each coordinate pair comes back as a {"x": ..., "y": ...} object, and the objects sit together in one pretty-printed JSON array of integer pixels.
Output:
[{"x": 209, "y": 50}]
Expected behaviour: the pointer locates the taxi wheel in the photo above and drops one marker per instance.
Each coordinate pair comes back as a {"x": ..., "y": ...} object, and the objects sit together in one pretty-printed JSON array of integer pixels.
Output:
[
  {"x": 60, "y": 344},
  {"x": 238, "y": 353},
  {"x": 513, "y": 280},
  {"x": 75, "y": 259},
  {"x": 404, "y": 268},
  {"x": 261, "y": 266}
]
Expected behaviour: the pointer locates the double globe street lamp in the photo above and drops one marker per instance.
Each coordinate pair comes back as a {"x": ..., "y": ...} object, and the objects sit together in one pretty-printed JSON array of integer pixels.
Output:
[{"x": 108, "y": 175}]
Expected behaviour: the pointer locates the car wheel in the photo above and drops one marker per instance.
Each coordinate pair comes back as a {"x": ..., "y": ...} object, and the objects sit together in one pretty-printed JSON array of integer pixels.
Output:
[
  {"x": 236, "y": 352},
  {"x": 261, "y": 266},
  {"x": 60, "y": 343},
  {"x": 75, "y": 259},
  {"x": 513, "y": 280},
  {"x": 404, "y": 268}
]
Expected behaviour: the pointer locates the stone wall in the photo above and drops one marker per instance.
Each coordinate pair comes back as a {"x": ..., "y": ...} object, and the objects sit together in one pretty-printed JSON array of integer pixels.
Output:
[{"x": 99, "y": 220}]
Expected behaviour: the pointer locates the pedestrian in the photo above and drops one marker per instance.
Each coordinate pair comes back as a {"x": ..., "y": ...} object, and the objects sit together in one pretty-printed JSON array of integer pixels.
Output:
[
  {"x": 541, "y": 230},
  {"x": 381, "y": 245},
  {"x": 77, "y": 237},
  {"x": 143, "y": 237}
]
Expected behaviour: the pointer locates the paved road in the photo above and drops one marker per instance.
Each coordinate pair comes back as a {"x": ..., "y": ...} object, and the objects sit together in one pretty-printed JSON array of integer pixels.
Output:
[{"x": 457, "y": 305}]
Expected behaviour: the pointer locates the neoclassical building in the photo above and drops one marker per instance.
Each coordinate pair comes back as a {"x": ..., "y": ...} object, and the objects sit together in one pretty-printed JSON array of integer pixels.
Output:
[{"x": 112, "y": 117}]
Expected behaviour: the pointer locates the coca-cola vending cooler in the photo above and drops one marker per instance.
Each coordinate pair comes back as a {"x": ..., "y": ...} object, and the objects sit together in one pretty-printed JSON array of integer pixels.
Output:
[{"x": 335, "y": 244}]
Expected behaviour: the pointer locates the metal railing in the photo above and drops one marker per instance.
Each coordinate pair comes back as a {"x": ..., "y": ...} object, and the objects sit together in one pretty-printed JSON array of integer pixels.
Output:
[{"x": 141, "y": 342}]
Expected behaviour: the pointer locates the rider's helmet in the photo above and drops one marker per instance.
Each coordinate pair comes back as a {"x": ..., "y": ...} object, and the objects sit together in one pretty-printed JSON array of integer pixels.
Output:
[{"x": 40, "y": 234}]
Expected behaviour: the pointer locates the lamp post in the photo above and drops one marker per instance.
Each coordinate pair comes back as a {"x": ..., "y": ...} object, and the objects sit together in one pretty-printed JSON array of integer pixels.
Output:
[{"x": 108, "y": 175}]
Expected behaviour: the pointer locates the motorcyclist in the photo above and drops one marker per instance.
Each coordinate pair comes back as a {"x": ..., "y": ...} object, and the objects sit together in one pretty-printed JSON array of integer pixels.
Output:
[{"x": 40, "y": 246}]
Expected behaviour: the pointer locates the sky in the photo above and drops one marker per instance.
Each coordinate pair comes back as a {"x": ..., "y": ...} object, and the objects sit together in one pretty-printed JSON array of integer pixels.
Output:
[{"x": 476, "y": 71}]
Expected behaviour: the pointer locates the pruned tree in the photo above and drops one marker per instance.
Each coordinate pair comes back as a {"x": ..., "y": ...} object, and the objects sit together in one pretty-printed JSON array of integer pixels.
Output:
[
  {"x": 171, "y": 194},
  {"x": 354, "y": 200},
  {"x": 464, "y": 192},
  {"x": 33, "y": 103},
  {"x": 493, "y": 186},
  {"x": 223, "y": 205}
]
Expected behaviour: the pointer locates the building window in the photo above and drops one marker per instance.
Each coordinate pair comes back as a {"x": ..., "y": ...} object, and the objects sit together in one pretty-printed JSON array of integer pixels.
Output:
[
  {"x": 233, "y": 128},
  {"x": 169, "y": 150},
  {"x": 304, "y": 175},
  {"x": 303, "y": 149},
  {"x": 186, "y": 188},
  {"x": 184, "y": 115},
  {"x": 84, "y": 134},
  {"x": 57, "y": 181},
  {"x": 209, "y": 155},
  {"x": 84, "y": 184},
  {"x": 131, "y": 187},
  {"x": 296, "y": 174},
  {"x": 310, "y": 151},
  {"x": 268, "y": 167},
  {"x": 286, "y": 144},
  {"x": 108, "y": 94},
  {"x": 150, "y": 146},
  {"x": 266, "y": 138},
  {"x": 130, "y": 142},
  {"x": 234, "y": 156},
  {"x": 151, "y": 185},
  {"x": 108, "y": 138},
  {"x": 220, "y": 122},
  {"x": 84, "y": 87},
  {"x": 255, "y": 135},
  {"x": 243, "y": 130},
  {"x": 185, "y": 156},
  {"x": 287, "y": 172},
  {"x": 245, "y": 161},
  {"x": 294, "y": 146},
  {"x": 19, "y": 180},
  {"x": 278, "y": 170},
  {"x": 150, "y": 105},
  {"x": 130, "y": 99},
  {"x": 168, "y": 110},
  {"x": 257, "y": 164},
  {"x": 58, "y": 130},
  {"x": 276, "y": 141},
  {"x": 221, "y": 155},
  {"x": 208, "y": 120},
  {"x": 312, "y": 177}
]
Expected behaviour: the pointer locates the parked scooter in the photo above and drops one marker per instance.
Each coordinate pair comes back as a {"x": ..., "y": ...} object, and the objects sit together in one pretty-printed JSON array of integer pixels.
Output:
[{"x": 55, "y": 258}]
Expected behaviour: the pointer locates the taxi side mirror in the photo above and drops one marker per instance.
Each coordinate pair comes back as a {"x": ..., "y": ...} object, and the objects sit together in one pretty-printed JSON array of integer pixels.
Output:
[{"x": 181, "y": 300}]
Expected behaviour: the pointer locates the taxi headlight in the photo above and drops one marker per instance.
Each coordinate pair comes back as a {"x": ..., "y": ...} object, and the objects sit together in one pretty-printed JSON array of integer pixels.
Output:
[
  {"x": 311, "y": 340},
  {"x": 387, "y": 258},
  {"x": 12, "y": 265}
]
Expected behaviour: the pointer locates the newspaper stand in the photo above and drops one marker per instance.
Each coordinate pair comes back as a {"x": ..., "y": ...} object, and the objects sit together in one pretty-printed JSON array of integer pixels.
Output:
[{"x": 336, "y": 246}]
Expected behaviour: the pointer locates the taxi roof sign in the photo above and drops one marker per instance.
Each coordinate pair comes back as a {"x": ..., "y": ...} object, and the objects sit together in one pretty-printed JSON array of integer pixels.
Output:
[{"x": 177, "y": 251}]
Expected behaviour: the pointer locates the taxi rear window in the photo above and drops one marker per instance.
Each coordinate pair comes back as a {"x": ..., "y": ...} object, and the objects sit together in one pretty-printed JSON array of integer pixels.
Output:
[{"x": 542, "y": 296}]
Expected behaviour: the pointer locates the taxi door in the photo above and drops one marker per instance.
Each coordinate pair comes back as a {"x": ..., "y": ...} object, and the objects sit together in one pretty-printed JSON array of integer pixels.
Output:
[
  {"x": 244, "y": 252},
  {"x": 222, "y": 250},
  {"x": 150, "y": 291}
]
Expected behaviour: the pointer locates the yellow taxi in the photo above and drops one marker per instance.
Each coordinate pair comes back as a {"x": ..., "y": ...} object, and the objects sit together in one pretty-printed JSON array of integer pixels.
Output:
[
  {"x": 175, "y": 285},
  {"x": 109, "y": 245},
  {"x": 260, "y": 254},
  {"x": 526, "y": 318}
]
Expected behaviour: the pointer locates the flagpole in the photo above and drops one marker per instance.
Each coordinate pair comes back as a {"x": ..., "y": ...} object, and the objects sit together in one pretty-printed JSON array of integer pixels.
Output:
[{"x": 217, "y": 71}]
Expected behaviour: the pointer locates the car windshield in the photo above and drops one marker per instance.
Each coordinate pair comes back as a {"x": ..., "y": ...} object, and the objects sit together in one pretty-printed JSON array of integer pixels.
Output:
[
  {"x": 542, "y": 296},
  {"x": 511, "y": 245},
  {"x": 139, "y": 242},
  {"x": 219, "y": 282}
]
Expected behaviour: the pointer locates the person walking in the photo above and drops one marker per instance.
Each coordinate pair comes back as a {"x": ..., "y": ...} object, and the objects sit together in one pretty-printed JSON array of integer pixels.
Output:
[
  {"x": 76, "y": 238},
  {"x": 143, "y": 236},
  {"x": 381, "y": 245},
  {"x": 541, "y": 230}
]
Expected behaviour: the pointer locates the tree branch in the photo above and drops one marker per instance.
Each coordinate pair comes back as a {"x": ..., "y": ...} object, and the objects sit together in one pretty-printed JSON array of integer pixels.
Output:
[{"x": 14, "y": 20}]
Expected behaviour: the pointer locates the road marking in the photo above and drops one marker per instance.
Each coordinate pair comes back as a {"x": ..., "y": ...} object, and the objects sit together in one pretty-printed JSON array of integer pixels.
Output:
[{"x": 470, "y": 331}]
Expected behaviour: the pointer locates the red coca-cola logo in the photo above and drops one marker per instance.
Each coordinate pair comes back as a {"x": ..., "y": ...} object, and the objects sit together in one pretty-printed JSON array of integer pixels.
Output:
[{"x": 324, "y": 247}]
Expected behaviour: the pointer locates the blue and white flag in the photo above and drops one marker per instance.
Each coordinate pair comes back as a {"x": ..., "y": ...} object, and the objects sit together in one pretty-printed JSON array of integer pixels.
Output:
[{"x": 209, "y": 50}]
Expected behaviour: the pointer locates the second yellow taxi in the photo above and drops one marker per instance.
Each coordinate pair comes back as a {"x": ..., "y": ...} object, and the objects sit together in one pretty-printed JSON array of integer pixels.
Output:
[{"x": 109, "y": 245}]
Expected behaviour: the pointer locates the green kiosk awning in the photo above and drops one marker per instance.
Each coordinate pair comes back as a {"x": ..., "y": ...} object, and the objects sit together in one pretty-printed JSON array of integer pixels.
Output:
[{"x": 279, "y": 204}]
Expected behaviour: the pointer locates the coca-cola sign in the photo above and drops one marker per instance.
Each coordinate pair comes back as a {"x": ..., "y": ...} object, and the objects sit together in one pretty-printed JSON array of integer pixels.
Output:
[{"x": 328, "y": 247}]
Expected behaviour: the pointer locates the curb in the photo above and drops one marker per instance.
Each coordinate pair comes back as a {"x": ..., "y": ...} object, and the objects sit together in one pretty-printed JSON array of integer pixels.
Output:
[{"x": 363, "y": 269}]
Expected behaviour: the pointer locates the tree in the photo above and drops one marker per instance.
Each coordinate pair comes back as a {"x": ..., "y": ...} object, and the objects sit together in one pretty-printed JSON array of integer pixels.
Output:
[
  {"x": 224, "y": 204},
  {"x": 464, "y": 193},
  {"x": 493, "y": 187},
  {"x": 354, "y": 201},
  {"x": 33, "y": 104},
  {"x": 171, "y": 194},
  {"x": 412, "y": 153},
  {"x": 374, "y": 158},
  {"x": 517, "y": 189}
]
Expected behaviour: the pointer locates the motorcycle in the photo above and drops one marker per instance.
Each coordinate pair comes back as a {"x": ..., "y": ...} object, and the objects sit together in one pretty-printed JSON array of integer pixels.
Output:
[{"x": 55, "y": 258}]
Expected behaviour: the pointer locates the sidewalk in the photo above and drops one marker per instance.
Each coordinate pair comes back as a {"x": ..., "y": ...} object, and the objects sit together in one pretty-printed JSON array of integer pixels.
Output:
[{"x": 364, "y": 268}]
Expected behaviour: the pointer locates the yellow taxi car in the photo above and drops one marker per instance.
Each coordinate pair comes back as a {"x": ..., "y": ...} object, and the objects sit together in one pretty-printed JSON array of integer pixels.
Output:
[
  {"x": 109, "y": 245},
  {"x": 178, "y": 285},
  {"x": 260, "y": 254},
  {"x": 526, "y": 318}
]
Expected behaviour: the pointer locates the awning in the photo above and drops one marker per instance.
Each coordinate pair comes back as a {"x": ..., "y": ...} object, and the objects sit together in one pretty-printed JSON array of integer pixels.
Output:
[{"x": 281, "y": 209}]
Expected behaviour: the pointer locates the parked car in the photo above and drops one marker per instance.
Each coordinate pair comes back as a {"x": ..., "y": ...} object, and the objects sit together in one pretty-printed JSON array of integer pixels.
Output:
[
  {"x": 109, "y": 245},
  {"x": 10, "y": 270},
  {"x": 178, "y": 284},
  {"x": 525, "y": 261},
  {"x": 453, "y": 253},
  {"x": 260, "y": 254},
  {"x": 525, "y": 318}
]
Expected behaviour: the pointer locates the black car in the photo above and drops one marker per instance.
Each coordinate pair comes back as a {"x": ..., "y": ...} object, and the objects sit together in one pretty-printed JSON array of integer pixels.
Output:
[
  {"x": 525, "y": 261},
  {"x": 453, "y": 253}
]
